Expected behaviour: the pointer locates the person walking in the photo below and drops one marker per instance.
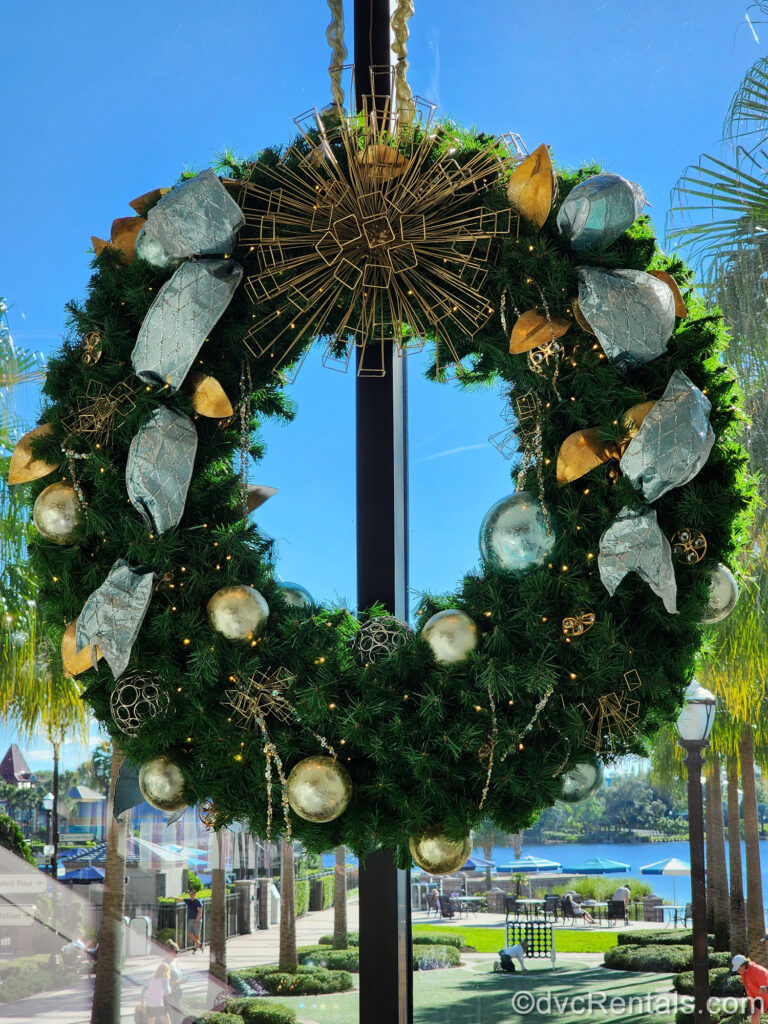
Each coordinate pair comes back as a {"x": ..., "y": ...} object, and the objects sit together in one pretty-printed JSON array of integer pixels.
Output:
[
  {"x": 155, "y": 996},
  {"x": 173, "y": 1002},
  {"x": 755, "y": 980}
]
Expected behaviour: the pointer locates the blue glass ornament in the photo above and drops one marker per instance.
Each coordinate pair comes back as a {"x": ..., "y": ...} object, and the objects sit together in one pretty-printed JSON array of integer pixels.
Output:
[
  {"x": 513, "y": 535},
  {"x": 296, "y": 596}
]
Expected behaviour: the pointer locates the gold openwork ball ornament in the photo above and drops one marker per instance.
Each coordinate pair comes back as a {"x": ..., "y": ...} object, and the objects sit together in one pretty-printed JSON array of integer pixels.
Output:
[
  {"x": 319, "y": 789},
  {"x": 451, "y": 634},
  {"x": 161, "y": 782},
  {"x": 238, "y": 612},
  {"x": 57, "y": 513},
  {"x": 436, "y": 854}
]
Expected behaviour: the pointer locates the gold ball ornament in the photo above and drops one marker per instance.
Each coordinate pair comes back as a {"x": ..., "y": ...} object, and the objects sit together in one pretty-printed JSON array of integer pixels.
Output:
[
  {"x": 319, "y": 789},
  {"x": 436, "y": 854},
  {"x": 57, "y": 513},
  {"x": 238, "y": 612},
  {"x": 451, "y": 634},
  {"x": 162, "y": 784}
]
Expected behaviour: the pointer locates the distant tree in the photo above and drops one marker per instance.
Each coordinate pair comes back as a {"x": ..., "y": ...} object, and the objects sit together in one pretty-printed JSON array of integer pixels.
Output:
[
  {"x": 12, "y": 838},
  {"x": 631, "y": 803}
]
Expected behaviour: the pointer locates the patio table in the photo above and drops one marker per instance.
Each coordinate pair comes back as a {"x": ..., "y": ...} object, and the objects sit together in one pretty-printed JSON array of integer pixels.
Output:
[
  {"x": 595, "y": 907},
  {"x": 674, "y": 912},
  {"x": 465, "y": 903},
  {"x": 529, "y": 905}
]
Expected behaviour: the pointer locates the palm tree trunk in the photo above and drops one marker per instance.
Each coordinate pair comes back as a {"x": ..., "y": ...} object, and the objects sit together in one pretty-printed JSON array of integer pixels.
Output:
[
  {"x": 218, "y": 937},
  {"x": 716, "y": 840},
  {"x": 738, "y": 909},
  {"x": 107, "y": 983},
  {"x": 288, "y": 956},
  {"x": 55, "y": 819},
  {"x": 517, "y": 844},
  {"x": 487, "y": 844},
  {"x": 755, "y": 913},
  {"x": 340, "y": 937},
  {"x": 708, "y": 851}
]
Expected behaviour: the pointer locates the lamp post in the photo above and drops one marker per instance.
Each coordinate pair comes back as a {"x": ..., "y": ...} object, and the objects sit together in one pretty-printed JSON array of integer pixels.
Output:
[{"x": 694, "y": 725}]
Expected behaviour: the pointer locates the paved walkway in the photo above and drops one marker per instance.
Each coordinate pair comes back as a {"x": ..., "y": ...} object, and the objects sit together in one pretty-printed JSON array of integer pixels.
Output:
[{"x": 73, "y": 1005}]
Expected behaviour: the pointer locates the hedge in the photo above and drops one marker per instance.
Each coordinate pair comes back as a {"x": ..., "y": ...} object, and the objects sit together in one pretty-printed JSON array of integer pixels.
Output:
[
  {"x": 664, "y": 958},
  {"x": 29, "y": 976},
  {"x": 425, "y": 939},
  {"x": 715, "y": 1017},
  {"x": 659, "y": 938},
  {"x": 434, "y": 957},
  {"x": 256, "y": 1011},
  {"x": 721, "y": 983},
  {"x": 307, "y": 981},
  {"x": 220, "y": 1018},
  {"x": 333, "y": 959}
]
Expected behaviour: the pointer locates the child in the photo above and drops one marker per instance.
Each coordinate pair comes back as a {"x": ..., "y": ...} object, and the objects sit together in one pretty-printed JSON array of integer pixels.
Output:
[
  {"x": 155, "y": 994},
  {"x": 516, "y": 952}
]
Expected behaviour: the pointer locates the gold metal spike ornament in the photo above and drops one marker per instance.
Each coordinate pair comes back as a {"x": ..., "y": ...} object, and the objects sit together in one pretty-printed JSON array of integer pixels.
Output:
[
  {"x": 24, "y": 466},
  {"x": 583, "y": 450},
  {"x": 374, "y": 223},
  {"x": 531, "y": 188},
  {"x": 209, "y": 397}
]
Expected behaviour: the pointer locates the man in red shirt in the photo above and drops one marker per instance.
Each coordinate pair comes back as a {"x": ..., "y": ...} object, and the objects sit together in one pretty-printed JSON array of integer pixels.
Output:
[{"x": 755, "y": 979}]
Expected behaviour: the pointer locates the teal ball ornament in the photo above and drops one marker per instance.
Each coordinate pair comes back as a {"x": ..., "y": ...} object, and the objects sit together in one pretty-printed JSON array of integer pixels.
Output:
[
  {"x": 581, "y": 782},
  {"x": 723, "y": 595},
  {"x": 514, "y": 536},
  {"x": 296, "y": 596}
]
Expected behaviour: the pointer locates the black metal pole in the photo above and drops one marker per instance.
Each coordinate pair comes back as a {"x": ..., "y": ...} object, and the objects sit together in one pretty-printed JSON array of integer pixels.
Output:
[
  {"x": 386, "y": 980},
  {"x": 693, "y": 763}
]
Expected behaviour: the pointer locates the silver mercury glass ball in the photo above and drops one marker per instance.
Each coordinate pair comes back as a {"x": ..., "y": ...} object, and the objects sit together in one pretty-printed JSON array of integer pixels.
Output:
[
  {"x": 296, "y": 596},
  {"x": 238, "y": 612},
  {"x": 57, "y": 513},
  {"x": 513, "y": 535},
  {"x": 378, "y": 638},
  {"x": 723, "y": 595},
  {"x": 581, "y": 782},
  {"x": 451, "y": 634},
  {"x": 319, "y": 789},
  {"x": 150, "y": 250},
  {"x": 162, "y": 784}
]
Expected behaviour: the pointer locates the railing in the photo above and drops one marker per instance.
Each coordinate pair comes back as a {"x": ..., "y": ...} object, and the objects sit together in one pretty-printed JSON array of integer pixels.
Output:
[{"x": 172, "y": 917}]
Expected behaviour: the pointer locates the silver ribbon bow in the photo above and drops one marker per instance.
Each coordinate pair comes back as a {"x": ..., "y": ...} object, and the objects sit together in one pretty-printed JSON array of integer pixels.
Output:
[
  {"x": 112, "y": 616},
  {"x": 634, "y": 543},
  {"x": 199, "y": 218},
  {"x": 159, "y": 467},
  {"x": 597, "y": 211}
]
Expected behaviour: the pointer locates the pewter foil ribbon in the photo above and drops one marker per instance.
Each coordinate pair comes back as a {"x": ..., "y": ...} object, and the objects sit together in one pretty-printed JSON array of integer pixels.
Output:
[
  {"x": 635, "y": 543},
  {"x": 187, "y": 307},
  {"x": 199, "y": 218},
  {"x": 674, "y": 441},
  {"x": 112, "y": 616},
  {"x": 597, "y": 211},
  {"x": 632, "y": 314},
  {"x": 159, "y": 467}
]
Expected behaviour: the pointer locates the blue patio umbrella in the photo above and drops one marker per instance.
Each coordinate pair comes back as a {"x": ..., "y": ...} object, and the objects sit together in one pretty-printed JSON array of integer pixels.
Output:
[
  {"x": 83, "y": 876},
  {"x": 668, "y": 866},
  {"x": 599, "y": 866},
  {"x": 478, "y": 864},
  {"x": 529, "y": 865}
]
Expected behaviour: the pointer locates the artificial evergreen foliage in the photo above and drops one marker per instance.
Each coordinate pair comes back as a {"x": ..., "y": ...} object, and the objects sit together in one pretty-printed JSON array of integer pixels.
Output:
[{"x": 409, "y": 730}]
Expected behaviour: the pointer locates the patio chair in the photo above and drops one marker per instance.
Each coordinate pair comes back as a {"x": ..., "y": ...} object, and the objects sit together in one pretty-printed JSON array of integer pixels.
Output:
[
  {"x": 617, "y": 910},
  {"x": 445, "y": 906},
  {"x": 688, "y": 914},
  {"x": 551, "y": 905},
  {"x": 571, "y": 911},
  {"x": 511, "y": 906},
  {"x": 432, "y": 904}
]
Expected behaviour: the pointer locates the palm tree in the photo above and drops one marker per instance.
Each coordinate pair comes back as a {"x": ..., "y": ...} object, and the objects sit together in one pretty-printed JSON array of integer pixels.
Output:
[
  {"x": 717, "y": 871},
  {"x": 340, "y": 938},
  {"x": 107, "y": 984},
  {"x": 738, "y": 913},
  {"x": 489, "y": 836},
  {"x": 288, "y": 956},
  {"x": 218, "y": 936},
  {"x": 755, "y": 912}
]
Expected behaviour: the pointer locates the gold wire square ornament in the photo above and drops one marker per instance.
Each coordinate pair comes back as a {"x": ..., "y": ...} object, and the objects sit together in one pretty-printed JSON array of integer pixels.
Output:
[
  {"x": 98, "y": 409},
  {"x": 372, "y": 225},
  {"x": 261, "y": 696}
]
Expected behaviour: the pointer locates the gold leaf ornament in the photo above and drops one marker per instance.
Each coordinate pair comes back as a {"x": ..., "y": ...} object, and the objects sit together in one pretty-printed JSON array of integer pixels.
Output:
[
  {"x": 531, "y": 187},
  {"x": 681, "y": 310},
  {"x": 382, "y": 163},
  {"x": 122, "y": 238},
  {"x": 532, "y": 330},
  {"x": 24, "y": 466},
  {"x": 584, "y": 450},
  {"x": 208, "y": 397},
  {"x": 76, "y": 661}
]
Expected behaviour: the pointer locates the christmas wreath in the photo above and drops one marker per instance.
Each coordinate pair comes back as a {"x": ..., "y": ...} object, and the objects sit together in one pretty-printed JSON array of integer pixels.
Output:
[{"x": 578, "y": 634}]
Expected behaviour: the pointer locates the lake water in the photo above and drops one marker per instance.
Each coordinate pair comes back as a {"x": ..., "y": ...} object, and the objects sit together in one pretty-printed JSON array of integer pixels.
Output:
[{"x": 634, "y": 854}]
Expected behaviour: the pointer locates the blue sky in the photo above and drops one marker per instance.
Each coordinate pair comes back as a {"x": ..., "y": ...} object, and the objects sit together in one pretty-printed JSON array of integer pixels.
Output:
[{"x": 104, "y": 101}]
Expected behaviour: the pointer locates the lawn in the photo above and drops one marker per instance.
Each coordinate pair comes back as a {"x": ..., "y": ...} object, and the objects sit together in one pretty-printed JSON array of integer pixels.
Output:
[
  {"x": 474, "y": 995},
  {"x": 491, "y": 940}
]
